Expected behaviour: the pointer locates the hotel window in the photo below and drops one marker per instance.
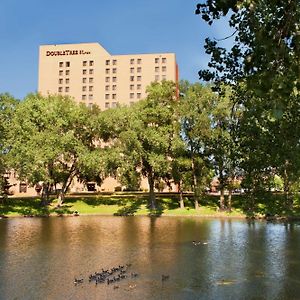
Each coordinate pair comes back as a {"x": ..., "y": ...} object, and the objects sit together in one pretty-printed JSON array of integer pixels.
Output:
[
  {"x": 164, "y": 60},
  {"x": 60, "y": 81},
  {"x": 107, "y": 71},
  {"x": 131, "y": 70},
  {"x": 67, "y": 80},
  {"x": 114, "y": 87},
  {"x": 131, "y": 78},
  {"x": 83, "y": 72},
  {"x": 156, "y": 69},
  {"x": 67, "y": 64},
  {"x": 114, "y": 96},
  {"x": 164, "y": 68},
  {"x": 84, "y": 63},
  {"x": 114, "y": 70},
  {"x": 156, "y": 60},
  {"x": 114, "y": 79},
  {"x": 163, "y": 77},
  {"x": 83, "y": 80},
  {"x": 106, "y": 104},
  {"x": 60, "y": 72},
  {"x": 91, "y": 80},
  {"x": 91, "y": 63},
  {"x": 139, "y": 95},
  {"x": 67, "y": 72},
  {"x": 90, "y": 105},
  {"x": 139, "y": 61},
  {"x": 114, "y": 62},
  {"x": 131, "y": 95},
  {"x": 156, "y": 77},
  {"x": 90, "y": 96},
  {"x": 114, "y": 104},
  {"x": 131, "y": 87},
  {"x": 106, "y": 96},
  {"x": 107, "y": 79},
  {"x": 107, "y": 87},
  {"x": 91, "y": 71},
  {"x": 107, "y": 62},
  {"x": 67, "y": 89},
  {"x": 139, "y": 78},
  {"x": 139, "y": 69},
  {"x": 61, "y": 64},
  {"x": 139, "y": 86},
  {"x": 84, "y": 88},
  {"x": 83, "y": 97},
  {"x": 60, "y": 89},
  {"x": 90, "y": 88},
  {"x": 132, "y": 61}
]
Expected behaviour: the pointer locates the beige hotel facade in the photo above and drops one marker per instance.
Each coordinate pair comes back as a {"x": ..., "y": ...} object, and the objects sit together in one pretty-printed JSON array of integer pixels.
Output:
[{"x": 91, "y": 75}]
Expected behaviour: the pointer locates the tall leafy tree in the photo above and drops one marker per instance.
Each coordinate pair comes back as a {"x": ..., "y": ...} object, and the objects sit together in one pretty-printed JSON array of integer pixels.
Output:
[
  {"x": 146, "y": 141},
  {"x": 196, "y": 110},
  {"x": 7, "y": 107},
  {"x": 51, "y": 139},
  {"x": 263, "y": 65}
]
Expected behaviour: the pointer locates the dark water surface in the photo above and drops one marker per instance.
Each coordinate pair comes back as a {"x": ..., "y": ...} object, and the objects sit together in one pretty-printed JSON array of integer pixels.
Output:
[{"x": 39, "y": 258}]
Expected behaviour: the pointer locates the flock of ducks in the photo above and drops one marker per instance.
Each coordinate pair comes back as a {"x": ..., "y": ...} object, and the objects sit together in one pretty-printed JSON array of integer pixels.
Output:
[
  {"x": 109, "y": 276},
  {"x": 116, "y": 274},
  {"x": 112, "y": 276}
]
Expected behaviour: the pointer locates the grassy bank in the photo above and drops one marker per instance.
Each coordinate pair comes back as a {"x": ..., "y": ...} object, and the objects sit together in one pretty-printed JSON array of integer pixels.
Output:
[{"x": 136, "y": 204}]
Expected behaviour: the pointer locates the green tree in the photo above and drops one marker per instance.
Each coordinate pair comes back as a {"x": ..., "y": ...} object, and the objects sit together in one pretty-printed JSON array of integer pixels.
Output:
[
  {"x": 196, "y": 109},
  {"x": 52, "y": 138},
  {"x": 145, "y": 143},
  {"x": 7, "y": 107},
  {"x": 263, "y": 66}
]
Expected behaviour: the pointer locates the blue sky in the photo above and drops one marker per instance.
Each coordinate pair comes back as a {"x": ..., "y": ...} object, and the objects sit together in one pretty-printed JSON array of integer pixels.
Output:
[{"x": 121, "y": 27}]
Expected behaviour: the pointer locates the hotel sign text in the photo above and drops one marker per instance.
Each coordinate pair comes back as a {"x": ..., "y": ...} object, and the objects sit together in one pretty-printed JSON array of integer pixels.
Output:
[{"x": 67, "y": 52}]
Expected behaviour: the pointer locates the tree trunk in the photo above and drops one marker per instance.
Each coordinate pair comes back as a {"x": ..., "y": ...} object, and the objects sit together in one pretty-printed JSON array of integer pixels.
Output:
[
  {"x": 195, "y": 182},
  {"x": 61, "y": 198},
  {"x": 45, "y": 194},
  {"x": 286, "y": 188},
  {"x": 152, "y": 200},
  {"x": 222, "y": 189},
  {"x": 181, "y": 202},
  {"x": 222, "y": 198},
  {"x": 229, "y": 199}
]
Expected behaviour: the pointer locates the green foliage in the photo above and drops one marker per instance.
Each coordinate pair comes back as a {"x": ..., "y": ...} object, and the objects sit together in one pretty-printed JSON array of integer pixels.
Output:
[
  {"x": 52, "y": 140},
  {"x": 7, "y": 107},
  {"x": 146, "y": 135},
  {"x": 263, "y": 67}
]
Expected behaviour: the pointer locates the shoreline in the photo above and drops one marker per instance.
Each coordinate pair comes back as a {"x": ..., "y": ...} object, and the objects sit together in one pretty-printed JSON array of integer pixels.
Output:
[{"x": 205, "y": 216}]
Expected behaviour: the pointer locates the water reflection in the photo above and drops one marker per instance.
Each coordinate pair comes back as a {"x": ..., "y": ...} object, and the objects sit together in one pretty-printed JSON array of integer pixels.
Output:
[{"x": 235, "y": 259}]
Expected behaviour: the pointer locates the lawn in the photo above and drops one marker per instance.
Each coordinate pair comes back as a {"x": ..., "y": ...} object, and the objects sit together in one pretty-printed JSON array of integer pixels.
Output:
[{"x": 125, "y": 204}]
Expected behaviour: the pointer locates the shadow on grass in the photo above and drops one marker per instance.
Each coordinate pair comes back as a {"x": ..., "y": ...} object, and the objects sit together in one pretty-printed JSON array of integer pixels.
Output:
[{"x": 27, "y": 207}]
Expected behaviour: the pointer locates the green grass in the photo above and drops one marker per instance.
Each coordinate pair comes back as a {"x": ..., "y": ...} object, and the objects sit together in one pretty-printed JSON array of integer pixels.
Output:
[{"x": 125, "y": 204}]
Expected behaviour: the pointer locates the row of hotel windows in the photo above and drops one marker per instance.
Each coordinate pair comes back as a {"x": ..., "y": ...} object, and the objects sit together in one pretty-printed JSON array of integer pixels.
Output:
[
  {"x": 137, "y": 60},
  {"x": 85, "y": 63},
  {"x": 60, "y": 89},
  {"x": 131, "y": 96},
  {"x": 84, "y": 97},
  {"x": 115, "y": 104},
  {"x": 61, "y": 64},
  {"x": 90, "y": 63},
  {"x": 61, "y": 72}
]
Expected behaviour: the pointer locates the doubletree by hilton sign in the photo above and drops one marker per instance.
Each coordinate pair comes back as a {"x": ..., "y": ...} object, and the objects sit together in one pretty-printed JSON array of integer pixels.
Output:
[{"x": 67, "y": 52}]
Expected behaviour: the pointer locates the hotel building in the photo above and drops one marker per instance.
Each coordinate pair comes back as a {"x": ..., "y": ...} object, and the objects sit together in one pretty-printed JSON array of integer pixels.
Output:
[{"x": 91, "y": 75}]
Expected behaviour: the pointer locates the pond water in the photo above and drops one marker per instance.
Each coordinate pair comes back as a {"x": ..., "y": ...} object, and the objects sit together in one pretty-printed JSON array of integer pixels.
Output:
[{"x": 231, "y": 259}]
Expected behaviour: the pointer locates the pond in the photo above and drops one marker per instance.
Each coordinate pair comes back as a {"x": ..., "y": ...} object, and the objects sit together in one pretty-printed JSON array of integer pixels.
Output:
[{"x": 148, "y": 258}]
